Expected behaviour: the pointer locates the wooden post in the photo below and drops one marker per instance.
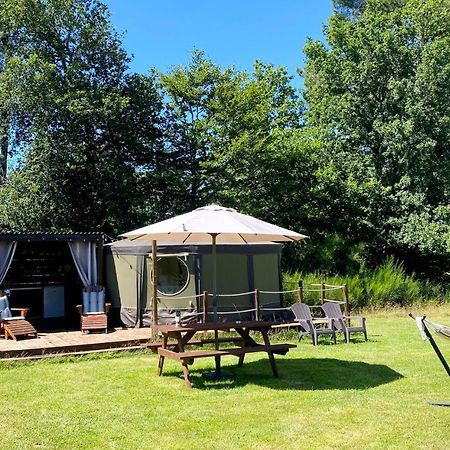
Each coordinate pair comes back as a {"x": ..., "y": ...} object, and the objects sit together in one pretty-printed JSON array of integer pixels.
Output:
[
  {"x": 205, "y": 306},
  {"x": 257, "y": 312},
  {"x": 345, "y": 299},
  {"x": 154, "y": 289},
  {"x": 300, "y": 291},
  {"x": 322, "y": 292}
]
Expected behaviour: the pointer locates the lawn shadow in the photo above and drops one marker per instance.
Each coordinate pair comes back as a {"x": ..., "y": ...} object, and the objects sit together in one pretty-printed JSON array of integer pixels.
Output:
[{"x": 301, "y": 374}]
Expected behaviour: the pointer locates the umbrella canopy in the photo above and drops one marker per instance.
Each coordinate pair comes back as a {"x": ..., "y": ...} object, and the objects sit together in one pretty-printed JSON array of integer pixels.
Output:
[
  {"x": 226, "y": 223},
  {"x": 214, "y": 224}
]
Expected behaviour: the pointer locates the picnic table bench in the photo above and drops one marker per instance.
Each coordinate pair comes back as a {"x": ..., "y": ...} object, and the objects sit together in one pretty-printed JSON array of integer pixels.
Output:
[
  {"x": 197, "y": 342},
  {"x": 183, "y": 334}
]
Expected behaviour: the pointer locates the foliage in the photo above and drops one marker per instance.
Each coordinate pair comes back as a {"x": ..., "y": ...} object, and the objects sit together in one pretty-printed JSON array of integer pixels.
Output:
[
  {"x": 349, "y": 7},
  {"x": 225, "y": 132},
  {"x": 390, "y": 285},
  {"x": 359, "y": 160},
  {"x": 387, "y": 285},
  {"x": 378, "y": 91},
  {"x": 65, "y": 70}
]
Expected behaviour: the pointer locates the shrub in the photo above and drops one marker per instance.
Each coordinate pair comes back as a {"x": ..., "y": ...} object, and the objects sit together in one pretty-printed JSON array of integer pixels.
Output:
[
  {"x": 387, "y": 285},
  {"x": 390, "y": 285}
]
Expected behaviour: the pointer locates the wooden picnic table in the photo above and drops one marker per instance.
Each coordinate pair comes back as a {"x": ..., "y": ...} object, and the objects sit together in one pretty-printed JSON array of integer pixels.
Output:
[{"x": 182, "y": 334}]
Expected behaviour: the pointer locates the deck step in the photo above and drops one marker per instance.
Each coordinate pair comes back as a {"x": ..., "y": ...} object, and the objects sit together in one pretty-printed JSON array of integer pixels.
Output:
[
  {"x": 81, "y": 353},
  {"x": 83, "y": 348},
  {"x": 80, "y": 348}
]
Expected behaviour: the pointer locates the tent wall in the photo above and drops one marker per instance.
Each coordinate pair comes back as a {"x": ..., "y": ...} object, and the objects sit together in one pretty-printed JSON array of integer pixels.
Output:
[
  {"x": 243, "y": 269},
  {"x": 240, "y": 268},
  {"x": 125, "y": 277},
  {"x": 121, "y": 280},
  {"x": 174, "y": 301},
  {"x": 267, "y": 273},
  {"x": 232, "y": 278}
]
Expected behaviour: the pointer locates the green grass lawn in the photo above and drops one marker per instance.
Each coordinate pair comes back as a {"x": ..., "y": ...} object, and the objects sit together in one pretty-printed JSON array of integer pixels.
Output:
[{"x": 362, "y": 395}]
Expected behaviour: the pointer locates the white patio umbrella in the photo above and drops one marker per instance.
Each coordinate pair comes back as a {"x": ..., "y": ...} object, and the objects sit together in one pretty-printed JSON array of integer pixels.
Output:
[{"x": 214, "y": 224}]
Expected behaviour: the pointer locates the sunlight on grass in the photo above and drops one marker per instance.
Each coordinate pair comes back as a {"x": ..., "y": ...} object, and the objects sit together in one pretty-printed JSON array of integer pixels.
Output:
[{"x": 362, "y": 395}]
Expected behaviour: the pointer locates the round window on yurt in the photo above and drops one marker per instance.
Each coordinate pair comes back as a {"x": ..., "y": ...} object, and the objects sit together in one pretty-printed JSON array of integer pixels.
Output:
[{"x": 173, "y": 275}]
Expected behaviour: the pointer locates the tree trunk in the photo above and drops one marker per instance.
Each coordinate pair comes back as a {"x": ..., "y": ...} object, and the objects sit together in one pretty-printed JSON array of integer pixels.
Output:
[
  {"x": 3, "y": 149},
  {"x": 4, "y": 117}
]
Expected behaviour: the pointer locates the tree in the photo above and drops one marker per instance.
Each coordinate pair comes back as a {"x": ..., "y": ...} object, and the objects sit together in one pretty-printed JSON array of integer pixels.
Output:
[
  {"x": 90, "y": 126},
  {"x": 351, "y": 8},
  {"x": 255, "y": 116},
  {"x": 223, "y": 123},
  {"x": 189, "y": 92},
  {"x": 378, "y": 91}
]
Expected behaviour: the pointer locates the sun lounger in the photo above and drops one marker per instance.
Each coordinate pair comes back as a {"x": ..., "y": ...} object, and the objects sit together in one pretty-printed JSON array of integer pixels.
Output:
[{"x": 13, "y": 327}]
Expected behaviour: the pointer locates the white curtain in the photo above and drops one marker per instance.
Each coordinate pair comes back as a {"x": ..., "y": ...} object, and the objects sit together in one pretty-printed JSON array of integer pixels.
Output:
[
  {"x": 84, "y": 255},
  {"x": 7, "y": 250}
]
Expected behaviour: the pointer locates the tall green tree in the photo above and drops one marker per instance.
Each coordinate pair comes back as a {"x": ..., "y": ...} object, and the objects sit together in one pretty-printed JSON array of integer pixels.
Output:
[
  {"x": 90, "y": 125},
  {"x": 378, "y": 91},
  {"x": 224, "y": 126},
  {"x": 255, "y": 117},
  {"x": 351, "y": 8},
  {"x": 189, "y": 91}
]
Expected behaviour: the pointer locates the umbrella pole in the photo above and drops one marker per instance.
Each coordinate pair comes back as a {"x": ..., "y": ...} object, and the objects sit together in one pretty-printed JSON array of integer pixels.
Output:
[
  {"x": 217, "y": 374},
  {"x": 214, "y": 276},
  {"x": 154, "y": 289},
  {"x": 214, "y": 289}
]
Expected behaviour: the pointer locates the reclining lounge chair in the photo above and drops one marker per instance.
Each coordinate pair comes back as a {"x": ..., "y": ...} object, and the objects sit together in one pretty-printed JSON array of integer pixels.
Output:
[
  {"x": 333, "y": 312},
  {"x": 14, "y": 327},
  {"x": 303, "y": 316}
]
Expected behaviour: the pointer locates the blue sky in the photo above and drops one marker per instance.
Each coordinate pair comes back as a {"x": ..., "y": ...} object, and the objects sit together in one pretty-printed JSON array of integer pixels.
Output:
[{"x": 162, "y": 33}]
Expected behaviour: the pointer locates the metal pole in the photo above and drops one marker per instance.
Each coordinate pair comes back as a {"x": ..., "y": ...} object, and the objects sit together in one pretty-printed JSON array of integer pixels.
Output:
[
  {"x": 436, "y": 348},
  {"x": 214, "y": 275},
  {"x": 154, "y": 289},
  {"x": 214, "y": 288}
]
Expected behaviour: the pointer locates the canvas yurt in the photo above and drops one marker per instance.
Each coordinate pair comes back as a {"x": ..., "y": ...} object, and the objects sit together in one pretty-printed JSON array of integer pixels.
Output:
[{"x": 184, "y": 273}]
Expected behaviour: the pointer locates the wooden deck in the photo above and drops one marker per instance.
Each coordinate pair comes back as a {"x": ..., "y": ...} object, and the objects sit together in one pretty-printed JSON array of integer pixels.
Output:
[
  {"x": 60, "y": 343},
  {"x": 75, "y": 343}
]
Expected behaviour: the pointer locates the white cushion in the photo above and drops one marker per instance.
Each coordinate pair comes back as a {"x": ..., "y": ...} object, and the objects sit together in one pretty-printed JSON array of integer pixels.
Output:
[
  {"x": 4, "y": 303},
  {"x": 5, "y": 312}
]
